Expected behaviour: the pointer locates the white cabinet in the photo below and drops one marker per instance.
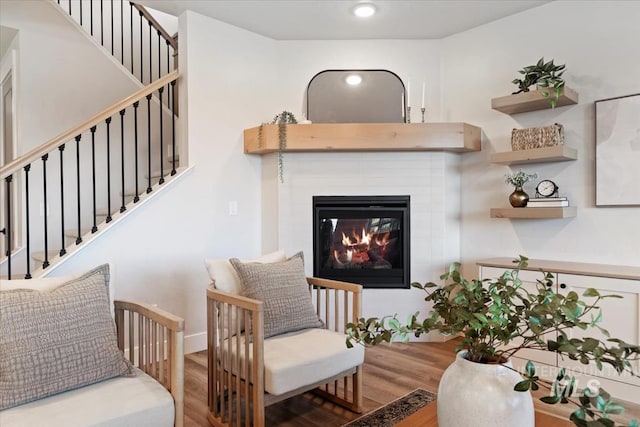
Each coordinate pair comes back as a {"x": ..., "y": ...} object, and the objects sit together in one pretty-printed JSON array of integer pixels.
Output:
[{"x": 620, "y": 316}]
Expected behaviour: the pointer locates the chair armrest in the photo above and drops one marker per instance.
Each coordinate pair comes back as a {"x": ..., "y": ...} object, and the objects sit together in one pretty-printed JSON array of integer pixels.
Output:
[
  {"x": 235, "y": 327},
  {"x": 160, "y": 346}
]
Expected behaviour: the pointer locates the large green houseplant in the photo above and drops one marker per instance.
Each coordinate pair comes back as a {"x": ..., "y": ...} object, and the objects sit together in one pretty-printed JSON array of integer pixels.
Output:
[{"x": 498, "y": 318}]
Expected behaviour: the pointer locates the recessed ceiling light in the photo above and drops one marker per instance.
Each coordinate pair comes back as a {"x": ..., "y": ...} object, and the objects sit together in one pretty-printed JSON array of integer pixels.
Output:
[
  {"x": 364, "y": 10},
  {"x": 353, "y": 79}
]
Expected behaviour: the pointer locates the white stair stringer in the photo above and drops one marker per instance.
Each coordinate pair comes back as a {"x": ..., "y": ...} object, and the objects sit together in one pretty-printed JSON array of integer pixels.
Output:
[{"x": 56, "y": 260}]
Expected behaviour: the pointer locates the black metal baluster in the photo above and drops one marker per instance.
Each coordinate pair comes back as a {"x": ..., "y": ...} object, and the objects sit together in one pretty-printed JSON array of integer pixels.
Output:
[
  {"x": 101, "y": 23},
  {"x": 173, "y": 127},
  {"x": 62, "y": 249},
  {"x": 149, "y": 189},
  {"x": 27, "y": 168},
  {"x": 8, "y": 228},
  {"x": 150, "y": 54},
  {"x": 45, "y": 264},
  {"x": 108, "y": 121},
  {"x": 79, "y": 237},
  {"x": 70, "y": 8},
  {"x": 111, "y": 26},
  {"x": 159, "y": 54},
  {"x": 81, "y": 13},
  {"x": 91, "y": 16},
  {"x": 168, "y": 71},
  {"x": 93, "y": 177},
  {"x": 135, "y": 141},
  {"x": 141, "y": 52},
  {"x": 160, "y": 90},
  {"x": 131, "y": 34},
  {"x": 123, "y": 207}
]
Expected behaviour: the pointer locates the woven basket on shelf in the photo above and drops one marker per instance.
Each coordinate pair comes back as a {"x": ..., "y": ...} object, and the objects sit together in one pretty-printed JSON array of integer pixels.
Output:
[{"x": 547, "y": 136}]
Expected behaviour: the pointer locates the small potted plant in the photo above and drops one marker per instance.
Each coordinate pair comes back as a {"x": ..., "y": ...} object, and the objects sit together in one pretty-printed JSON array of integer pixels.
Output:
[
  {"x": 545, "y": 75},
  {"x": 282, "y": 120},
  {"x": 497, "y": 318},
  {"x": 519, "y": 198}
]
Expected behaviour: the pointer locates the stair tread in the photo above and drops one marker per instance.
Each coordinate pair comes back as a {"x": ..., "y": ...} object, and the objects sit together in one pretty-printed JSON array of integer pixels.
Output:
[{"x": 39, "y": 255}]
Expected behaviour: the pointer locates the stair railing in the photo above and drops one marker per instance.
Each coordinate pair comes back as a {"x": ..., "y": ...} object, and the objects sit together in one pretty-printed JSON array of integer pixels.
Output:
[
  {"x": 130, "y": 33},
  {"x": 85, "y": 178}
]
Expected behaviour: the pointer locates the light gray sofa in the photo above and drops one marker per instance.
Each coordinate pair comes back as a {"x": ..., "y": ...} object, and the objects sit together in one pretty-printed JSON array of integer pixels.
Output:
[{"x": 151, "y": 397}]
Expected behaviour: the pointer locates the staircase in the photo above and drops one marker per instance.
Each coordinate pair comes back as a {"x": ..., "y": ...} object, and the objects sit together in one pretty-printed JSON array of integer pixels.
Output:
[{"x": 65, "y": 193}]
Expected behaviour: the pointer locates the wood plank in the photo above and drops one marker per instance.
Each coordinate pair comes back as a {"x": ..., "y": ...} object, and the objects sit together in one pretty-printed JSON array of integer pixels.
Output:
[
  {"x": 454, "y": 137},
  {"x": 389, "y": 373},
  {"x": 580, "y": 268},
  {"x": 532, "y": 101},
  {"x": 557, "y": 153},
  {"x": 534, "y": 213}
]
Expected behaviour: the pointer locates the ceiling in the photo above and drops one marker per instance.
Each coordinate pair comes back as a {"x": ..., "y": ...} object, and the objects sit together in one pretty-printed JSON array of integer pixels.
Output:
[{"x": 333, "y": 20}]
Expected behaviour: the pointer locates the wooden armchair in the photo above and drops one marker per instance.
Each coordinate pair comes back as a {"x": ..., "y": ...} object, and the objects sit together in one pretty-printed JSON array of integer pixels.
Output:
[
  {"x": 155, "y": 340},
  {"x": 244, "y": 366}
]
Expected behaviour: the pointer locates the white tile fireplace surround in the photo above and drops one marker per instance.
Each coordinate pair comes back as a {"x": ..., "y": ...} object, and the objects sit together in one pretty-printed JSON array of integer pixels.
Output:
[{"x": 430, "y": 178}]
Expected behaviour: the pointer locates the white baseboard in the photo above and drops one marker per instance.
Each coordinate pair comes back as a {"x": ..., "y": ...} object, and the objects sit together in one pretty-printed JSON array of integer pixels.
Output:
[{"x": 195, "y": 342}]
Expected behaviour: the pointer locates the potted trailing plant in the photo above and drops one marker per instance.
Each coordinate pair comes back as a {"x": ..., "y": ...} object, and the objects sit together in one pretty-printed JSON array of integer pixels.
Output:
[
  {"x": 498, "y": 318},
  {"x": 519, "y": 198},
  {"x": 282, "y": 120},
  {"x": 546, "y": 75}
]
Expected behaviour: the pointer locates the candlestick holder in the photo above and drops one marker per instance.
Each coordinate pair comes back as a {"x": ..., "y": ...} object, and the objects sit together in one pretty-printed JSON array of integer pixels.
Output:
[
  {"x": 408, "y": 114},
  {"x": 422, "y": 110}
]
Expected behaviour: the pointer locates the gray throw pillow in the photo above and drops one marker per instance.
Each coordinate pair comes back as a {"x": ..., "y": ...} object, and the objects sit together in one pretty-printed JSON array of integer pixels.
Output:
[
  {"x": 57, "y": 340},
  {"x": 283, "y": 288}
]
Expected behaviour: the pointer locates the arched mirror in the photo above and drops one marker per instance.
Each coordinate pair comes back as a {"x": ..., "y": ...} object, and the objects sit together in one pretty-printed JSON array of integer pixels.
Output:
[{"x": 356, "y": 96}]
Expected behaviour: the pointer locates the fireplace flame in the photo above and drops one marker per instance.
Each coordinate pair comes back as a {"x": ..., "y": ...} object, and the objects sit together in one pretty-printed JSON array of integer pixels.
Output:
[
  {"x": 359, "y": 248},
  {"x": 354, "y": 240}
]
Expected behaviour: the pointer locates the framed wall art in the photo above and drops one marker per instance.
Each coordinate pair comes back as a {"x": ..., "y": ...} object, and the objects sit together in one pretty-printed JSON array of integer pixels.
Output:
[{"x": 618, "y": 151}]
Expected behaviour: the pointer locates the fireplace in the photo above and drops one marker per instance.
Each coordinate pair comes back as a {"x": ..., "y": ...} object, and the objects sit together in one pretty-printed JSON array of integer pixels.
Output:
[{"x": 362, "y": 239}]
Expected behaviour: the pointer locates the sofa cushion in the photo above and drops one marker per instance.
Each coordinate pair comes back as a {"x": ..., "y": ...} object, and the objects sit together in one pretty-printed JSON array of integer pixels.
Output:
[
  {"x": 298, "y": 359},
  {"x": 57, "y": 340},
  {"x": 224, "y": 276},
  {"x": 120, "y": 401},
  {"x": 283, "y": 288}
]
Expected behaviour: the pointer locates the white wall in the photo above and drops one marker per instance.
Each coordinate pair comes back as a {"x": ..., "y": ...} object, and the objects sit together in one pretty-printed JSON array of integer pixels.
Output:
[
  {"x": 57, "y": 66},
  {"x": 598, "y": 41},
  {"x": 159, "y": 250},
  {"x": 233, "y": 80}
]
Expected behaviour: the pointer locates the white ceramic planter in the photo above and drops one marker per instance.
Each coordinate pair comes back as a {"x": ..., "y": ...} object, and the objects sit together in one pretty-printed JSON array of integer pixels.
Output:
[{"x": 481, "y": 395}]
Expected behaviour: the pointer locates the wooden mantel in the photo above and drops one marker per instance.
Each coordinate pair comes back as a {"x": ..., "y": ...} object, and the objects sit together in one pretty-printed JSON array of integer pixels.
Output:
[{"x": 455, "y": 137}]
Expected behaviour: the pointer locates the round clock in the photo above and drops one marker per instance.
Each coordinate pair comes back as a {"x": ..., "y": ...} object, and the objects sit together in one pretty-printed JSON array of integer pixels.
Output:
[{"x": 546, "y": 188}]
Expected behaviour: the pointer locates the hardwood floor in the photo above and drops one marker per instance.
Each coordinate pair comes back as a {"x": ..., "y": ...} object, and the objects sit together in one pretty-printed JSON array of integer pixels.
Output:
[{"x": 389, "y": 372}]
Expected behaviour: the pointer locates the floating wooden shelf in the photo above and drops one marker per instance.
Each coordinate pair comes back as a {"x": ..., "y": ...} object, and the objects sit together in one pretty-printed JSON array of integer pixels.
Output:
[
  {"x": 532, "y": 101},
  {"x": 534, "y": 213},
  {"x": 557, "y": 153},
  {"x": 455, "y": 137}
]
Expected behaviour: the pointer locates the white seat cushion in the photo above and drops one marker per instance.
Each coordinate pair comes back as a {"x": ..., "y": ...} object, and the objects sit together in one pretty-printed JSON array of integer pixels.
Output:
[
  {"x": 302, "y": 358},
  {"x": 305, "y": 357},
  {"x": 121, "y": 401}
]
